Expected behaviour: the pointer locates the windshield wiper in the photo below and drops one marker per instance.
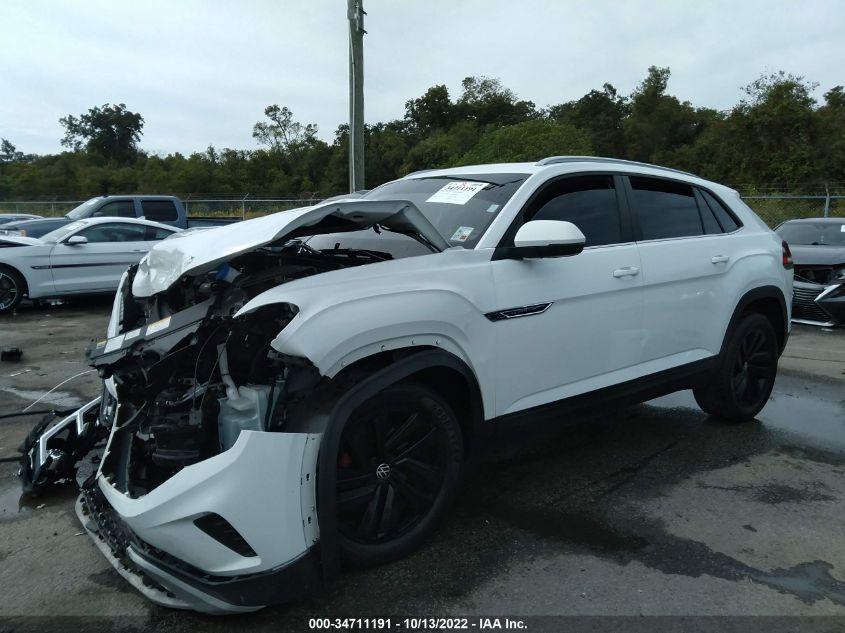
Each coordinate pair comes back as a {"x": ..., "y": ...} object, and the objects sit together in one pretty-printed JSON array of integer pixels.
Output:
[{"x": 462, "y": 178}]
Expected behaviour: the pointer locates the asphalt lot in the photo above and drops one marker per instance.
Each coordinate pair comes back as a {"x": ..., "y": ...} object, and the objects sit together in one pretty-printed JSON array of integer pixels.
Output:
[{"x": 650, "y": 510}]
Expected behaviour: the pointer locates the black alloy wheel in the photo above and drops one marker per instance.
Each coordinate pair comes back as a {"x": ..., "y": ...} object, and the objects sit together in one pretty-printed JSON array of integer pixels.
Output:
[
  {"x": 11, "y": 289},
  {"x": 397, "y": 468},
  {"x": 753, "y": 369},
  {"x": 745, "y": 376}
]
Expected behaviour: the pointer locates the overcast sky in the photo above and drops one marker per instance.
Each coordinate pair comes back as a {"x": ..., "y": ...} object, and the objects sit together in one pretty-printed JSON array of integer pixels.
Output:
[{"x": 201, "y": 72}]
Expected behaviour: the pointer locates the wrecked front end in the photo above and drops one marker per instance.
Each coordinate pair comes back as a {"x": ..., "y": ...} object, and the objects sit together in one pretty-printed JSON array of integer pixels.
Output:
[
  {"x": 205, "y": 496},
  {"x": 819, "y": 295}
]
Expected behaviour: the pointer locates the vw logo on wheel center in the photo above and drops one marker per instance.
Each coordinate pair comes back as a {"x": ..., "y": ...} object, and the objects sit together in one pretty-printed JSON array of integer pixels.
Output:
[{"x": 383, "y": 471}]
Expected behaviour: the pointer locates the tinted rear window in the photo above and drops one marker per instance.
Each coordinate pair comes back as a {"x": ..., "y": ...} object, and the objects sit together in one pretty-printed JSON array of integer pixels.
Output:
[
  {"x": 708, "y": 219},
  {"x": 116, "y": 209},
  {"x": 725, "y": 219},
  {"x": 664, "y": 208},
  {"x": 159, "y": 210}
]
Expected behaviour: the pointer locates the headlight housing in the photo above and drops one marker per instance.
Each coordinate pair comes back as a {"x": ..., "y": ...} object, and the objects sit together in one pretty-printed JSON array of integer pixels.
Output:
[{"x": 117, "y": 308}]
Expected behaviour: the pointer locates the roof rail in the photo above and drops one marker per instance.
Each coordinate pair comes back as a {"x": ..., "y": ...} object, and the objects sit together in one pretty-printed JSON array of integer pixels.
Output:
[{"x": 554, "y": 160}]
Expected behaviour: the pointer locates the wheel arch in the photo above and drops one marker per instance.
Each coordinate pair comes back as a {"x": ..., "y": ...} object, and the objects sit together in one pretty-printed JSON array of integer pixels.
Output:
[
  {"x": 768, "y": 301},
  {"x": 20, "y": 273},
  {"x": 327, "y": 408}
]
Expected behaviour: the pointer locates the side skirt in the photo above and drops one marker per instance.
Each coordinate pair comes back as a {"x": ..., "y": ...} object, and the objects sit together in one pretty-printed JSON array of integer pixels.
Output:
[{"x": 577, "y": 408}]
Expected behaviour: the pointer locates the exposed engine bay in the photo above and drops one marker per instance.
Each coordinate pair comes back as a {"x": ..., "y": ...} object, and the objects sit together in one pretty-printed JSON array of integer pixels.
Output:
[
  {"x": 212, "y": 426},
  {"x": 198, "y": 376}
]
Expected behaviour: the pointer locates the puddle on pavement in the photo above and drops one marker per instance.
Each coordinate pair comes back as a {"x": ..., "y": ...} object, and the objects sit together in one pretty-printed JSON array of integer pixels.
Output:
[
  {"x": 813, "y": 410},
  {"x": 808, "y": 581},
  {"x": 14, "y": 503},
  {"x": 62, "y": 399}
]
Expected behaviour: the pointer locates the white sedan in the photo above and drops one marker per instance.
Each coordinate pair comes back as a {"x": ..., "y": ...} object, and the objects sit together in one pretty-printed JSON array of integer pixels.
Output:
[{"x": 87, "y": 256}]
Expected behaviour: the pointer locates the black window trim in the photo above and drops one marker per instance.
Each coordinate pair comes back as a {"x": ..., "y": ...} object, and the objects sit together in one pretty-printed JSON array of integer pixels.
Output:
[
  {"x": 116, "y": 200},
  {"x": 626, "y": 234},
  {"x": 115, "y": 222},
  {"x": 725, "y": 207},
  {"x": 149, "y": 235},
  {"x": 702, "y": 205},
  {"x": 637, "y": 229}
]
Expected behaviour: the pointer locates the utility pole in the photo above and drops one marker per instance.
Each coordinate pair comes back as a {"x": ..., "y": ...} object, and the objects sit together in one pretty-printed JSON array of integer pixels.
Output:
[{"x": 355, "y": 13}]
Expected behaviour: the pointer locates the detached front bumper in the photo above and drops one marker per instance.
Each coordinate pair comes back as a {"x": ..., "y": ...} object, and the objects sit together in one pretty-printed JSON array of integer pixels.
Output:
[
  {"x": 817, "y": 304},
  {"x": 233, "y": 533}
]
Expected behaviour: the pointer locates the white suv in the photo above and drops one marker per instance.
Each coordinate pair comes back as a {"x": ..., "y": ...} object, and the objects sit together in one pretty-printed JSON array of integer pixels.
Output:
[{"x": 302, "y": 389}]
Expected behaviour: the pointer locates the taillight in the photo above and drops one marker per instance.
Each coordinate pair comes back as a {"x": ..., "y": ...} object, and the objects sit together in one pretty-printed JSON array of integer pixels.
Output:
[{"x": 787, "y": 255}]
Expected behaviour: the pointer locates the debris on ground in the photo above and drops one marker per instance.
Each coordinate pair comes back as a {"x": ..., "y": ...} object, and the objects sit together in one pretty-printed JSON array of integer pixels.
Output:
[{"x": 11, "y": 354}]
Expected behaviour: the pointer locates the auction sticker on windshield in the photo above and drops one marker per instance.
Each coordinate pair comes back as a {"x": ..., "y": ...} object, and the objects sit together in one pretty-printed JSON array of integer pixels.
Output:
[
  {"x": 462, "y": 234},
  {"x": 457, "y": 192}
]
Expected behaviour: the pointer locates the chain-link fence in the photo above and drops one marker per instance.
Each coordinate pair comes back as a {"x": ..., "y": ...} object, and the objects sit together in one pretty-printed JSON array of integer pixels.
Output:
[
  {"x": 243, "y": 206},
  {"x": 773, "y": 208}
]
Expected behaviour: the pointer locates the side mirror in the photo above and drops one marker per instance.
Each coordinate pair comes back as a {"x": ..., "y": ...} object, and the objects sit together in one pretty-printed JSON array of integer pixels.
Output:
[
  {"x": 76, "y": 240},
  {"x": 544, "y": 238}
]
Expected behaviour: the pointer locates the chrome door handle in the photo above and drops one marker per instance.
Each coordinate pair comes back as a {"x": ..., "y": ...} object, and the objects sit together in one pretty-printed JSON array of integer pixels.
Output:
[
  {"x": 719, "y": 259},
  {"x": 628, "y": 271}
]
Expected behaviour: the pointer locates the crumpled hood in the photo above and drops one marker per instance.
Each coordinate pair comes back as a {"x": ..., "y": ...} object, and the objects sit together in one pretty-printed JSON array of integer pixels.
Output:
[
  {"x": 198, "y": 252},
  {"x": 817, "y": 255}
]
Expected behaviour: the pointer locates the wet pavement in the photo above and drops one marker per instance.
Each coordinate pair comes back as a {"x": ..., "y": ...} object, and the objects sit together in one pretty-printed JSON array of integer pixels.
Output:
[{"x": 655, "y": 509}]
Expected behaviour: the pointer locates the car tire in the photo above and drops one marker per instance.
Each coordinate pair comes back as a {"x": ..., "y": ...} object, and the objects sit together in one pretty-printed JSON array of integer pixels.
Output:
[
  {"x": 399, "y": 465},
  {"x": 12, "y": 288},
  {"x": 745, "y": 375}
]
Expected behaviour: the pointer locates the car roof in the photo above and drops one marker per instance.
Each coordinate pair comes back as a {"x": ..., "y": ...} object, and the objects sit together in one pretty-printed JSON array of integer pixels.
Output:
[
  {"x": 816, "y": 221},
  {"x": 36, "y": 221},
  {"x": 152, "y": 196},
  {"x": 113, "y": 219},
  {"x": 574, "y": 164}
]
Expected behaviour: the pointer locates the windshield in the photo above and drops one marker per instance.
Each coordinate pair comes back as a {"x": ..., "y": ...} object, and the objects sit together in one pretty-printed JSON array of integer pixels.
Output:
[
  {"x": 460, "y": 207},
  {"x": 813, "y": 233},
  {"x": 62, "y": 231},
  {"x": 77, "y": 213}
]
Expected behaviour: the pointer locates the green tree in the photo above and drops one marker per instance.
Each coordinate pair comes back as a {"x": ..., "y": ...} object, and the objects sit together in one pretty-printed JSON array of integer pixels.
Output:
[
  {"x": 771, "y": 137},
  {"x": 282, "y": 132},
  {"x": 659, "y": 123},
  {"x": 831, "y": 135},
  {"x": 600, "y": 113},
  {"x": 528, "y": 141},
  {"x": 9, "y": 153},
  {"x": 110, "y": 131},
  {"x": 486, "y": 102},
  {"x": 431, "y": 112},
  {"x": 776, "y": 135},
  {"x": 386, "y": 151}
]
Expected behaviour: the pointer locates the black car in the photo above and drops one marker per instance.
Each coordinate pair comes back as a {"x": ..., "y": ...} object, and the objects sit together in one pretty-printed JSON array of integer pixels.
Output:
[
  {"x": 32, "y": 228},
  {"x": 818, "y": 252}
]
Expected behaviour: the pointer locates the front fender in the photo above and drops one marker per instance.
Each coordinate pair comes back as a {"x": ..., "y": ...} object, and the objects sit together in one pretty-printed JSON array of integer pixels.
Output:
[{"x": 334, "y": 335}]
